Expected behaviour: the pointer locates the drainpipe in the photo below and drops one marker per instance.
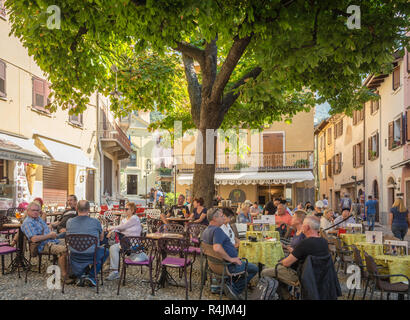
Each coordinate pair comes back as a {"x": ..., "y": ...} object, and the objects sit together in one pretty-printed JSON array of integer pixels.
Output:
[{"x": 100, "y": 151}]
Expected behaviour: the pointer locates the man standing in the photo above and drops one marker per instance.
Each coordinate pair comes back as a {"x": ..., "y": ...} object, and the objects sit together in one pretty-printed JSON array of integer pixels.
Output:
[
  {"x": 325, "y": 202},
  {"x": 37, "y": 231},
  {"x": 313, "y": 245},
  {"x": 346, "y": 203},
  {"x": 370, "y": 211},
  {"x": 83, "y": 224},
  {"x": 221, "y": 243}
]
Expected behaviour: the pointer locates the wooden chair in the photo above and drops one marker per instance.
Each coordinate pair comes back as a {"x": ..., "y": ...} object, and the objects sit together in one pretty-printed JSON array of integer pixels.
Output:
[
  {"x": 213, "y": 264},
  {"x": 382, "y": 283}
]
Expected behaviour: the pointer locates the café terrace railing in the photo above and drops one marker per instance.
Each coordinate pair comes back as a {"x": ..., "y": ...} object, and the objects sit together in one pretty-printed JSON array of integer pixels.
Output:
[{"x": 258, "y": 162}]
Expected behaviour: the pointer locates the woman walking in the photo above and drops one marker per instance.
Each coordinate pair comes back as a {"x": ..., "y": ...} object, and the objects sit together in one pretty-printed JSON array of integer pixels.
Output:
[{"x": 399, "y": 219}]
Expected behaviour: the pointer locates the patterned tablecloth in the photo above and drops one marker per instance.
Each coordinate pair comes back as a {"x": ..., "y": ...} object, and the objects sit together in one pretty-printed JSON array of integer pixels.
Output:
[
  {"x": 395, "y": 265},
  {"x": 260, "y": 234},
  {"x": 371, "y": 248},
  {"x": 271, "y": 227},
  {"x": 265, "y": 252},
  {"x": 352, "y": 238}
]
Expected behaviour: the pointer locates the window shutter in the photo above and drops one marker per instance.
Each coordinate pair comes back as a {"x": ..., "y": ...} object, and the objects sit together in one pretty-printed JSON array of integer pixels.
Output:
[
  {"x": 377, "y": 145},
  {"x": 38, "y": 93},
  {"x": 407, "y": 124},
  {"x": 402, "y": 137},
  {"x": 369, "y": 148},
  {"x": 2, "y": 79},
  {"x": 408, "y": 61},
  {"x": 362, "y": 114},
  {"x": 376, "y": 103},
  {"x": 396, "y": 78},
  {"x": 47, "y": 92},
  {"x": 354, "y": 156},
  {"x": 329, "y": 167},
  {"x": 391, "y": 132},
  {"x": 354, "y": 117},
  {"x": 341, "y": 128},
  {"x": 361, "y": 146}
]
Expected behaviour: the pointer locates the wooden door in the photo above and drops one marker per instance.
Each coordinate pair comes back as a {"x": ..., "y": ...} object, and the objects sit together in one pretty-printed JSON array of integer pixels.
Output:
[{"x": 272, "y": 150}]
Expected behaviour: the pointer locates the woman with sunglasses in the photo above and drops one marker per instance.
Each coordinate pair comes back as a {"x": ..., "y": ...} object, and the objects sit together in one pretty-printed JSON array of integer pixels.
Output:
[{"x": 130, "y": 227}]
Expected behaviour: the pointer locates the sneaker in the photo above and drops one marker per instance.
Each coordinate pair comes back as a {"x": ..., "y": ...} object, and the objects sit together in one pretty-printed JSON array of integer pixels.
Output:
[
  {"x": 89, "y": 282},
  {"x": 114, "y": 275},
  {"x": 80, "y": 282},
  {"x": 230, "y": 292}
]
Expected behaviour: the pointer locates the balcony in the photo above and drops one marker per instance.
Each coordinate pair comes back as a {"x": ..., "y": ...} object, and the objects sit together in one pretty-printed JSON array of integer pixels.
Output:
[
  {"x": 165, "y": 172},
  {"x": 259, "y": 162},
  {"x": 114, "y": 140}
]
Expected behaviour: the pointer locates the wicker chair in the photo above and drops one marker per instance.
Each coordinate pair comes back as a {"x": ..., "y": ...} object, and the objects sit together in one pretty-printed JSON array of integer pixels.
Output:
[
  {"x": 382, "y": 283},
  {"x": 216, "y": 265}
]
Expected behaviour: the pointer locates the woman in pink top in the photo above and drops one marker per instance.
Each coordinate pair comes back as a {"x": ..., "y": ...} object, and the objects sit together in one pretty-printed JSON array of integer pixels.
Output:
[{"x": 129, "y": 227}]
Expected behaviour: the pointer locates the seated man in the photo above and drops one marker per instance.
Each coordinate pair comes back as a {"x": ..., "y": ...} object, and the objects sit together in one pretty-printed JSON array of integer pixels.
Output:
[
  {"x": 345, "y": 214},
  {"x": 215, "y": 236},
  {"x": 313, "y": 245},
  {"x": 282, "y": 217},
  {"x": 83, "y": 224},
  {"x": 226, "y": 227},
  {"x": 71, "y": 212},
  {"x": 37, "y": 231},
  {"x": 179, "y": 210}
]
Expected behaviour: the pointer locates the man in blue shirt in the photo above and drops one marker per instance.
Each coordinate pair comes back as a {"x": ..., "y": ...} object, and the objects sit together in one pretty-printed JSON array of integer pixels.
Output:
[
  {"x": 37, "y": 231},
  {"x": 83, "y": 224},
  {"x": 215, "y": 236},
  {"x": 370, "y": 211}
]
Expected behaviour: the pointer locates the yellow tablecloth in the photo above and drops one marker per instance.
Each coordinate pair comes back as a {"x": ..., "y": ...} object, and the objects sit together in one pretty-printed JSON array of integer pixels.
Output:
[
  {"x": 271, "y": 227},
  {"x": 371, "y": 248},
  {"x": 395, "y": 265},
  {"x": 260, "y": 234},
  {"x": 265, "y": 252},
  {"x": 352, "y": 238}
]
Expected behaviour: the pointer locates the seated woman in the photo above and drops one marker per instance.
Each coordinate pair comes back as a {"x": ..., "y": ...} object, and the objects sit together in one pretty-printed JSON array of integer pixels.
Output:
[
  {"x": 327, "y": 221},
  {"x": 198, "y": 215},
  {"x": 244, "y": 216},
  {"x": 296, "y": 223},
  {"x": 129, "y": 227}
]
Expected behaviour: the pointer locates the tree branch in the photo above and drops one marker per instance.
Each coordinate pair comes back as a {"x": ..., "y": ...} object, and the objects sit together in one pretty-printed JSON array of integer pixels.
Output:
[
  {"x": 81, "y": 31},
  {"x": 209, "y": 68},
  {"x": 192, "y": 51},
  {"x": 231, "y": 96},
  {"x": 194, "y": 88},
  {"x": 235, "y": 53},
  {"x": 314, "y": 34}
]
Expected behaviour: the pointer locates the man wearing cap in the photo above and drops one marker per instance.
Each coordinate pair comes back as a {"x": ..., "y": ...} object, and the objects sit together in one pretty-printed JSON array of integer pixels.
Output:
[
  {"x": 222, "y": 244},
  {"x": 318, "y": 209}
]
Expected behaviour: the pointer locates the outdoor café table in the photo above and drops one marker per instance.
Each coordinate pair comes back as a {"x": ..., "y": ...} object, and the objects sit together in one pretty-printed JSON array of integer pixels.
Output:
[
  {"x": 371, "y": 248},
  {"x": 165, "y": 276},
  {"x": 352, "y": 238},
  {"x": 271, "y": 228},
  {"x": 267, "y": 252},
  {"x": 19, "y": 260},
  {"x": 260, "y": 234},
  {"x": 395, "y": 265}
]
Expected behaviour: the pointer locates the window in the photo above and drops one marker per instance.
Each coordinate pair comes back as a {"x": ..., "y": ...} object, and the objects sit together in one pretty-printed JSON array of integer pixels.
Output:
[
  {"x": 374, "y": 105},
  {"x": 408, "y": 62},
  {"x": 132, "y": 184},
  {"x": 337, "y": 163},
  {"x": 41, "y": 92},
  {"x": 2, "y": 9},
  {"x": 396, "y": 78},
  {"x": 358, "y": 156},
  {"x": 373, "y": 146},
  {"x": 396, "y": 133},
  {"x": 329, "y": 167},
  {"x": 321, "y": 141},
  {"x": 2, "y": 79},
  {"x": 76, "y": 119},
  {"x": 329, "y": 136},
  {"x": 339, "y": 129}
]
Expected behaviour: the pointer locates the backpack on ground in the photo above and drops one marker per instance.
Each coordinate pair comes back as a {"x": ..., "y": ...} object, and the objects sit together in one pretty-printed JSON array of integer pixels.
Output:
[
  {"x": 265, "y": 290},
  {"x": 346, "y": 204}
]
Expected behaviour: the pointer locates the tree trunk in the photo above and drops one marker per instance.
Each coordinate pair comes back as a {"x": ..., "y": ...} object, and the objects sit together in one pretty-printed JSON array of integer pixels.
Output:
[{"x": 203, "y": 180}]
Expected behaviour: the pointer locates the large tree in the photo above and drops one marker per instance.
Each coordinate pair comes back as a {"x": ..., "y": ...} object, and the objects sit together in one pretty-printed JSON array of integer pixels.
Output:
[{"x": 258, "y": 61}]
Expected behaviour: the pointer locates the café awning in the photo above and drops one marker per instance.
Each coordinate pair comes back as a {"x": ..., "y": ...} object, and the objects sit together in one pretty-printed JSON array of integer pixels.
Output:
[
  {"x": 261, "y": 178},
  {"x": 67, "y": 154},
  {"x": 20, "y": 149}
]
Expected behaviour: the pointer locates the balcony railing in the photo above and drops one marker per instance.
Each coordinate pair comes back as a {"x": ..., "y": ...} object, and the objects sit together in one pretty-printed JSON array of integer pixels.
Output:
[
  {"x": 112, "y": 132},
  {"x": 257, "y": 162}
]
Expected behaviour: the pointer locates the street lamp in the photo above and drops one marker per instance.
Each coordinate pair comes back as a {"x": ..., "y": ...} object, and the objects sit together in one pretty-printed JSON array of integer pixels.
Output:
[{"x": 148, "y": 168}]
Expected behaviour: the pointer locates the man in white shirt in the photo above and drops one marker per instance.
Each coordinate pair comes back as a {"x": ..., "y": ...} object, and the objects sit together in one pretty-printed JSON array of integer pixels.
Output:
[
  {"x": 345, "y": 214},
  {"x": 226, "y": 227}
]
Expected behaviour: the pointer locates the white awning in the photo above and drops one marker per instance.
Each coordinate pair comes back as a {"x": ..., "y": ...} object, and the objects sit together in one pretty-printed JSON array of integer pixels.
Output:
[
  {"x": 261, "y": 178},
  {"x": 67, "y": 154},
  {"x": 20, "y": 149}
]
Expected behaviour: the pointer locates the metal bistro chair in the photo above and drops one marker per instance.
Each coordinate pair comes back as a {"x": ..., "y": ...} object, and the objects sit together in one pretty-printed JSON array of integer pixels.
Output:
[
  {"x": 137, "y": 245},
  {"x": 110, "y": 218},
  {"x": 153, "y": 213},
  {"x": 80, "y": 243},
  {"x": 153, "y": 224},
  {"x": 216, "y": 265},
  {"x": 172, "y": 228},
  {"x": 11, "y": 213},
  {"x": 178, "y": 249},
  {"x": 385, "y": 285},
  {"x": 344, "y": 254}
]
